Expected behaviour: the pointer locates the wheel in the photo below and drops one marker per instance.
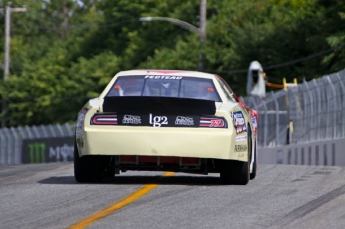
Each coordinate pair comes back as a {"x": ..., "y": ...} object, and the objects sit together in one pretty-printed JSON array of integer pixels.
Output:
[
  {"x": 253, "y": 173},
  {"x": 87, "y": 168},
  {"x": 237, "y": 172},
  {"x": 234, "y": 172}
]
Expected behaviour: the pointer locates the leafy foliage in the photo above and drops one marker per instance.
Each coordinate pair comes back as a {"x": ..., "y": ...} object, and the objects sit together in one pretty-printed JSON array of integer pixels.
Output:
[{"x": 65, "y": 52}]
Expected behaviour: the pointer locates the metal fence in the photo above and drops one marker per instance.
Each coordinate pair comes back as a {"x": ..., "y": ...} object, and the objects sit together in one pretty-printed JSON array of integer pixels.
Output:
[
  {"x": 11, "y": 139},
  {"x": 316, "y": 110}
]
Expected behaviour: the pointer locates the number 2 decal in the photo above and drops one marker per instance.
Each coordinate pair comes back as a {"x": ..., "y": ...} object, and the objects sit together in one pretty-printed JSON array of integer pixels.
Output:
[{"x": 216, "y": 122}]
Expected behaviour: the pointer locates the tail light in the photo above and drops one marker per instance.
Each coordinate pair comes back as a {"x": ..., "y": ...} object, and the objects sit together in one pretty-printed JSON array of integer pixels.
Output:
[{"x": 104, "y": 120}]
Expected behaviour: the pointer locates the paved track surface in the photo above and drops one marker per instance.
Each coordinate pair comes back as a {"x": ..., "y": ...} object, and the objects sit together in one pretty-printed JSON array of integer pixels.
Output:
[{"x": 281, "y": 196}]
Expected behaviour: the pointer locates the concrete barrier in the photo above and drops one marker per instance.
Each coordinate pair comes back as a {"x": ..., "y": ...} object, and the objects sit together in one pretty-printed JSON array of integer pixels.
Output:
[{"x": 328, "y": 152}]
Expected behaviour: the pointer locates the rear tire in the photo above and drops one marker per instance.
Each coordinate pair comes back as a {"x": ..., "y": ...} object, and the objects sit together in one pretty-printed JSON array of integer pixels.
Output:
[
  {"x": 87, "y": 168},
  {"x": 237, "y": 172},
  {"x": 234, "y": 172}
]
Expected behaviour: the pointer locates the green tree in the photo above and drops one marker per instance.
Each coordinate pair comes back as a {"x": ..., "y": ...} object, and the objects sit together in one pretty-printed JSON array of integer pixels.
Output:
[{"x": 65, "y": 52}]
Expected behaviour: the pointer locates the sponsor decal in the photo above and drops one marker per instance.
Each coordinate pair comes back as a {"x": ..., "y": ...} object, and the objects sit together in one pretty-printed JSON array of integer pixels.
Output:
[
  {"x": 255, "y": 124},
  {"x": 212, "y": 122},
  {"x": 239, "y": 121},
  {"x": 184, "y": 121},
  {"x": 158, "y": 121},
  {"x": 131, "y": 119},
  {"x": 240, "y": 138},
  {"x": 163, "y": 77},
  {"x": 240, "y": 148}
]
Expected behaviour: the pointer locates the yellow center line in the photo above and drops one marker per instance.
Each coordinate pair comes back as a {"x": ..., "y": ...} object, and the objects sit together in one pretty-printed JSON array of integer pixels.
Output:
[{"x": 116, "y": 206}]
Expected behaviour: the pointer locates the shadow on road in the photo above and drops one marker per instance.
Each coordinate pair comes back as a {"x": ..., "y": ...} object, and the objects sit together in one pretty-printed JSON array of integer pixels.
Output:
[
  {"x": 59, "y": 180},
  {"x": 120, "y": 180}
]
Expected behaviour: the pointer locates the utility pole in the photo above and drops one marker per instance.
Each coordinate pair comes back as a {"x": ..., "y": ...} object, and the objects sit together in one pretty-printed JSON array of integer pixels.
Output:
[
  {"x": 202, "y": 33},
  {"x": 8, "y": 11},
  {"x": 64, "y": 32}
]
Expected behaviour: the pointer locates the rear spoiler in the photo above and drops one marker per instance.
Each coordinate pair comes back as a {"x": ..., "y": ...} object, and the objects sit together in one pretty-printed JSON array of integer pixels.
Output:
[{"x": 158, "y": 105}]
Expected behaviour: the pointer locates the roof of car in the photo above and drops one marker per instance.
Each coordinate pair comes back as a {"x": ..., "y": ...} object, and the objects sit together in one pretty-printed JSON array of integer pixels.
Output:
[{"x": 166, "y": 73}]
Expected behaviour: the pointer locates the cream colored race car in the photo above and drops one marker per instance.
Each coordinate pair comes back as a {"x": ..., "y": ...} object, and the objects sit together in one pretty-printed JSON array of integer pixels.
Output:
[{"x": 165, "y": 120}]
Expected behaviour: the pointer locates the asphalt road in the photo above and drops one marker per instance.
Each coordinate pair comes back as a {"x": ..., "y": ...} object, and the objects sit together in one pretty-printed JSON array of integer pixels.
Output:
[{"x": 281, "y": 196}]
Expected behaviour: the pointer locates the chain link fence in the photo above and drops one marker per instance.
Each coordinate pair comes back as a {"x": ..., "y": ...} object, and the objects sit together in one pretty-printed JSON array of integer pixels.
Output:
[
  {"x": 11, "y": 139},
  {"x": 308, "y": 112}
]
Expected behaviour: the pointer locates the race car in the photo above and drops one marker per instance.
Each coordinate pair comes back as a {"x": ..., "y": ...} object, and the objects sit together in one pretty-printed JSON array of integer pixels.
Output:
[{"x": 165, "y": 120}]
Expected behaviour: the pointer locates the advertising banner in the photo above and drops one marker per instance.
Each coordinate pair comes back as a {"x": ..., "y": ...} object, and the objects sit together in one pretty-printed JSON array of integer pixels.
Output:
[{"x": 45, "y": 150}]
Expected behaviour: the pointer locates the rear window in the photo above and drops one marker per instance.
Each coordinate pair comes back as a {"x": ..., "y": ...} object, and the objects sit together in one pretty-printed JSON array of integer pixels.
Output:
[{"x": 165, "y": 86}]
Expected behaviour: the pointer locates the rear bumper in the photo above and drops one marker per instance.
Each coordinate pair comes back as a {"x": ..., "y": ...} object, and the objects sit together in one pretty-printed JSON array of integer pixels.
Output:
[{"x": 150, "y": 141}]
